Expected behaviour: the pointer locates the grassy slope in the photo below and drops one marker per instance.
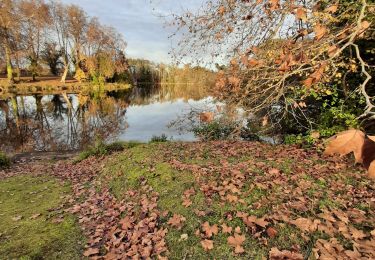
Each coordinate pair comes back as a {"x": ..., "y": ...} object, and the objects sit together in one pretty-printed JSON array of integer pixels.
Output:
[
  {"x": 37, "y": 238},
  {"x": 262, "y": 193}
]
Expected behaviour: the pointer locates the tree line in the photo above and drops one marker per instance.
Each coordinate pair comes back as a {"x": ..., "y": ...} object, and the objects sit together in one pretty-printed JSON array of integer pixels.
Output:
[{"x": 35, "y": 34}]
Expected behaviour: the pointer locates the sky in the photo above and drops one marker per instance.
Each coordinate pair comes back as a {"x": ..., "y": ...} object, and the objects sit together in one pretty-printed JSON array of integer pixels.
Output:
[{"x": 139, "y": 22}]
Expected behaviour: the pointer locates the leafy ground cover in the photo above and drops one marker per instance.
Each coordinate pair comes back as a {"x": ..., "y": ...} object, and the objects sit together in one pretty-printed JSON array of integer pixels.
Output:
[
  {"x": 32, "y": 225},
  {"x": 221, "y": 200}
]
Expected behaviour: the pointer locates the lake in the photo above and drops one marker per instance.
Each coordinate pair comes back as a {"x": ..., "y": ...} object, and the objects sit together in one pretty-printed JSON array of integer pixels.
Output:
[{"x": 61, "y": 121}]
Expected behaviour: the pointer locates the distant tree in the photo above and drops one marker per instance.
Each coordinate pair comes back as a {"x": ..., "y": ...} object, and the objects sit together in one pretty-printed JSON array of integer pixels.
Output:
[
  {"x": 51, "y": 55},
  {"x": 77, "y": 26},
  {"x": 35, "y": 18},
  {"x": 9, "y": 27},
  {"x": 61, "y": 29}
]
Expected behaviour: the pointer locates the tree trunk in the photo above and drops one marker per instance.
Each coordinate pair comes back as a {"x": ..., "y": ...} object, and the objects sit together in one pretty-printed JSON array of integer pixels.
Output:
[
  {"x": 9, "y": 65},
  {"x": 66, "y": 68}
]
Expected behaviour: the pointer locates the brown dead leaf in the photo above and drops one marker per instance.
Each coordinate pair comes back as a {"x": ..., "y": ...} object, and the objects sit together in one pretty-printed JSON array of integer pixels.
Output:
[
  {"x": 210, "y": 230},
  {"x": 207, "y": 244},
  {"x": 301, "y": 14},
  {"x": 320, "y": 31},
  {"x": 91, "y": 251},
  {"x": 35, "y": 216},
  {"x": 236, "y": 242},
  {"x": 271, "y": 232},
  {"x": 187, "y": 203},
  {"x": 177, "y": 221},
  {"x": 226, "y": 229},
  {"x": 17, "y": 218},
  {"x": 206, "y": 117},
  {"x": 345, "y": 143},
  {"x": 276, "y": 254},
  {"x": 332, "y": 50},
  {"x": 332, "y": 9}
]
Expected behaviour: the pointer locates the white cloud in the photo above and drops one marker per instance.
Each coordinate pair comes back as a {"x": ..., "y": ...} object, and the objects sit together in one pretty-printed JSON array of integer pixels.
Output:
[{"x": 138, "y": 21}]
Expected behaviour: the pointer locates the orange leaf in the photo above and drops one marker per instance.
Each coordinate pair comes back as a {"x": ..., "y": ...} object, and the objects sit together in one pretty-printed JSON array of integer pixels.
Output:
[
  {"x": 210, "y": 230},
  {"x": 332, "y": 50},
  {"x": 222, "y": 10},
  {"x": 271, "y": 232},
  {"x": 236, "y": 240},
  {"x": 332, "y": 9},
  {"x": 207, "y": 244},
  {"x": 345, "y": 143},
  {"x": 301, "y": 14},
  {"x": 226, "y": 229},
  {"x": 91, "y": 251},
  {"x": 320, "y": 31}
]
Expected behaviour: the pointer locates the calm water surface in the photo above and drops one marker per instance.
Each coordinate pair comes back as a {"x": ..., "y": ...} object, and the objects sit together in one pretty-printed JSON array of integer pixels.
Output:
[{"x": 54, "y": 122}]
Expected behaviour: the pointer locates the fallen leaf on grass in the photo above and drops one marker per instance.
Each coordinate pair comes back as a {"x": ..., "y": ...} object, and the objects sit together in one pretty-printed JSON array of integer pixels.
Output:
[
  {"x": 226, "y": 229},
  {"x": 276, "y": 254},
  {"x": 177, "y": 221},
  {"x": 187, "y": 203},
  {"x": 271, "y": 232},
  {"x": 236, "y": 241},
  {"x": 17, "y": 218},
  {"x": 207, "y": 244},
  {"x": 35, "y": 216},
  {"x": 210, "y": 230},
  {"x": 91, "y": 251}
]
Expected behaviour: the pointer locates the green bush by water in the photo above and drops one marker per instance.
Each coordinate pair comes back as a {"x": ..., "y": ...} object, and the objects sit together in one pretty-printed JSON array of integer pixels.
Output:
[{"x": 4, "y": 160}]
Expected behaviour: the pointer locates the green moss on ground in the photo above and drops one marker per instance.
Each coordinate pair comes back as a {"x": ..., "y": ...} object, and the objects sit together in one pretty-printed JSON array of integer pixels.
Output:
[{"x": 26, "y": 235}]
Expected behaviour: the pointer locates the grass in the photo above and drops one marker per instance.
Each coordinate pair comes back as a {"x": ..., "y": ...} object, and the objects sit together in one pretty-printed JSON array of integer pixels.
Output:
[
  {"x": 125, "y": 170},
  {"x": 23, "y": 236}
]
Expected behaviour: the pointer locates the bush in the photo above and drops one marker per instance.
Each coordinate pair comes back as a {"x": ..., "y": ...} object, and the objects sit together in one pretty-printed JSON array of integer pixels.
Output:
[
  {"x": 215, "y": 130},
  {"x": 4, "y": 160},
  {"x": 101, "y": 149},
  {"x": 159, "y": 139}
]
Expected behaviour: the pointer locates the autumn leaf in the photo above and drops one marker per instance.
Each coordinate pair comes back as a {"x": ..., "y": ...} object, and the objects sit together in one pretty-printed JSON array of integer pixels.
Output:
[
  {"x": 35, "y": 216},
  {"x": 332, "y": 9},
  {"x": 206, "y": 117},
  {"x": 276, "y": 254},
  {"x": 271, "y": 232},
  {"x": 177, "y": 221},
  {"x": 226, "y": 229},
  {"x": 187, "y": 203},
  {"x": 17, "y": 218},
  {"x": 236, "y": 241},
  {"x": 252, "y": 62},
  {"x": 209, "y": 230},
  {"x": 332, "y": 50},
  {"x": 320, "y": 31},
  {"x": 301, "y": 14},
  {"x": 91, "y": 251},
  {"x": 308, "y": 82},
  {"x": 207, "y": 244},
  {"x": 222, "y": 10},
  {"x": 346, "y": 142}
]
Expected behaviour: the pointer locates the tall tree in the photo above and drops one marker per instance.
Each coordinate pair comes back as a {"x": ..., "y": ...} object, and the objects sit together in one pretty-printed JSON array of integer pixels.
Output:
[
  {"x": 9, "y": 26},
  {"x": 77, "y": 26},
  {"x": 61, "y": 28},
  {"x": 35, "y": 20}
]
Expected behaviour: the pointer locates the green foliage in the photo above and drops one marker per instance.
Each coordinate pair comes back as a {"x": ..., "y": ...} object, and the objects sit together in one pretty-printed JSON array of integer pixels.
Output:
[
  {"x": 23, "y": 236},
  {"x": 159, "y": 139},
  {"x": 4, "y": 160},
  {"x": 101, "y": 149},
  {"x": 215, "y": 130}
]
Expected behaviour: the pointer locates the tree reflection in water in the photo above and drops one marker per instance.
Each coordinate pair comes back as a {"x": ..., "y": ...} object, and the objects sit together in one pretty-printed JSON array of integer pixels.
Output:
[
  {"x": 48, "y": 123},
  {"x": 60, "y": 121}
]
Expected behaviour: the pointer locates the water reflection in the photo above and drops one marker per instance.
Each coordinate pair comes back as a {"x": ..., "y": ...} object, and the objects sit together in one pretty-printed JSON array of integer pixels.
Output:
[{"x": 61, "y": 121}]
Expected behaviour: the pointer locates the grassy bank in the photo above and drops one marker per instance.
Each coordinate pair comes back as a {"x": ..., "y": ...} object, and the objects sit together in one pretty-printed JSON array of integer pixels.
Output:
[
  {"x": 31, "y": 227},
  {"x": 215, "y": 200}
]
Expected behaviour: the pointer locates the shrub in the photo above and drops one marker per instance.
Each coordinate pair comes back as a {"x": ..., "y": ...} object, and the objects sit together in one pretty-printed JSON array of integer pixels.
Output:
[
  {"x": 4, "y": 160},
  {"x": 215, "y": 130},
  {"x": 159, "y": 139},
  {"x": 100, "y": 149}
]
